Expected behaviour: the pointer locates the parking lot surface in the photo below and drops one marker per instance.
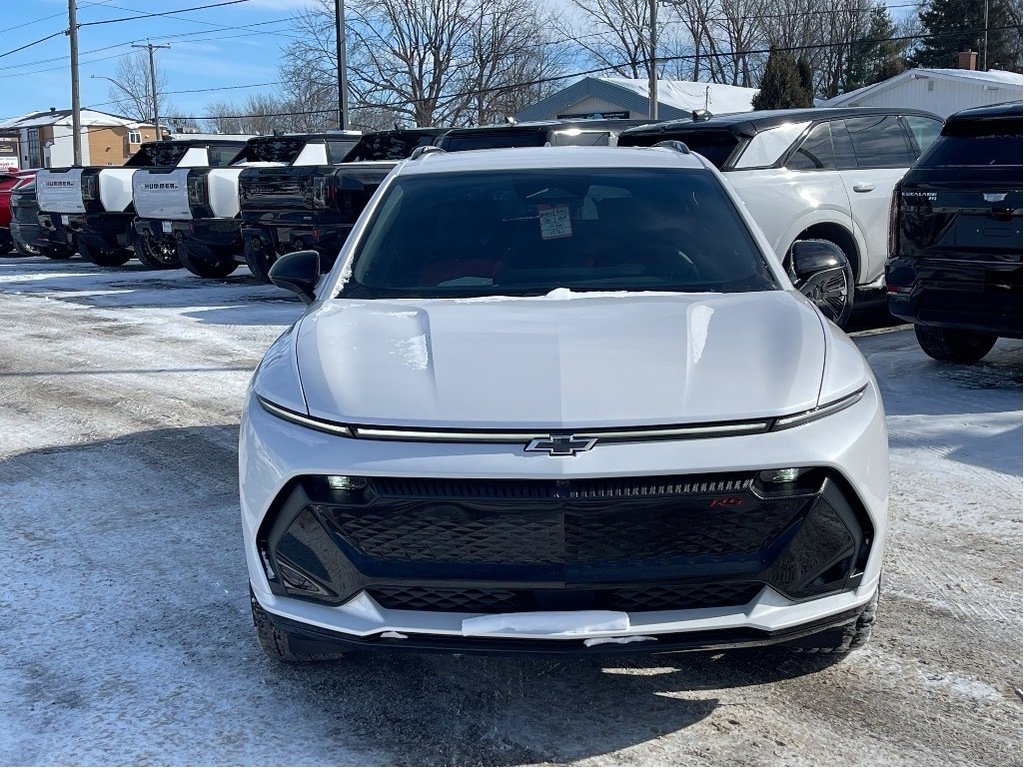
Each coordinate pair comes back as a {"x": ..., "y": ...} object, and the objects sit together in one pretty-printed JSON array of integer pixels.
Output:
[{"x": 124, "y": 618}]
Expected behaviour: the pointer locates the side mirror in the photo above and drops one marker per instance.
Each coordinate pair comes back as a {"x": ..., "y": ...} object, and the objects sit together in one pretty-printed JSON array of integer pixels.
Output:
[
  {"x": 821, "y": 272},
  {"x": 297, "y": 272}
]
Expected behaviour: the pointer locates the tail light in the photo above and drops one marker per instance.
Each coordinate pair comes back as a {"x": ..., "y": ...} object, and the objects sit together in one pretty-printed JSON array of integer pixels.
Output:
[
  {"x": 90, "y": 187},
  {"x": 894, "y": 222},
  {"x": 198, "y": 192}
]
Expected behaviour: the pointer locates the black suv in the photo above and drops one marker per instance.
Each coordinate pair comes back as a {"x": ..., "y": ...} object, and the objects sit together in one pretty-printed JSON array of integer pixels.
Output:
[{"x": 954, "y": 267}]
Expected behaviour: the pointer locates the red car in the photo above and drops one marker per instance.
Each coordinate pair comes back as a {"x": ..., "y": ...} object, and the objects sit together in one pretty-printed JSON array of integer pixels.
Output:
[{"x": 9, "y": 181}]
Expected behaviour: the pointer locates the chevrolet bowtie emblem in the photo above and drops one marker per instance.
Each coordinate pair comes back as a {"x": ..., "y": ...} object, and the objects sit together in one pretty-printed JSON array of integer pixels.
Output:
[{"x": 561, "y": 445}]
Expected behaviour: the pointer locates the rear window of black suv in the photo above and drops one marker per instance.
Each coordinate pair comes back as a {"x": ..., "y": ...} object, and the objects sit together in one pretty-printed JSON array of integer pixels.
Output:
[{"x": 976, "y": 142}]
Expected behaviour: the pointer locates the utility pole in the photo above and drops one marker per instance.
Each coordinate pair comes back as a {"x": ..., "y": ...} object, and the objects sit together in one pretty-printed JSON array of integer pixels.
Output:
[
  {"x": 339, "y": 16},
  {"x": 152, "y": 85},
  {"x": 76, "y": 107},
  {"x": 652, "y": 64},
  {"x": 984, "y": 47}
]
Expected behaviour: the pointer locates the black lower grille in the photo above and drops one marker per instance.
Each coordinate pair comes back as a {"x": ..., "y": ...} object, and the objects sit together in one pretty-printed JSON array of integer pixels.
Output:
[
  {"x": 551, "y": 531},
  {"x": 632, "y": 544},
  {"x": 660, "y": 597}
]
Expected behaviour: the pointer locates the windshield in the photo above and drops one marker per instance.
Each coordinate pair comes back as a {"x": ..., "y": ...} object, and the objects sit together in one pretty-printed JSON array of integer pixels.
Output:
[
  {"x": 529, "y": 232},
  {"x": 271, "y": 149},
  {"x": 158, "y": 153},
  {"x": 502, "y": 139},
  {"x": 390, "y": 145}
]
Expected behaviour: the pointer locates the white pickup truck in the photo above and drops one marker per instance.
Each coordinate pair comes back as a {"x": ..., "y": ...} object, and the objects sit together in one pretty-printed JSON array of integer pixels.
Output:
[
  {"x": 193, "y": 212},
  {"x": 95, "y": 203}
]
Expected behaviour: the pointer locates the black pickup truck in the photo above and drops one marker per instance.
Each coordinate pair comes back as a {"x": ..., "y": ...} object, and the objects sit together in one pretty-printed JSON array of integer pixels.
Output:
[
  {"x": 315, "y": 206},
  {"x": 95, "y": 203},
  {"x": 194, "y": 212},
  {"x": 954, "y": 267}
]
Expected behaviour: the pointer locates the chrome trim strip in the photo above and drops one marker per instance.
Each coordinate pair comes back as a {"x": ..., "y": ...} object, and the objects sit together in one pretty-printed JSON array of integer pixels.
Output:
[
  {"x": 696, "y": 431},
  {"x": 604, "y": 436}
]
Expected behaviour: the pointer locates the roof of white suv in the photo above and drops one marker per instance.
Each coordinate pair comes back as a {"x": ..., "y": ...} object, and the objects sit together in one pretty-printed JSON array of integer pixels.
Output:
[{"x": 549, "y": 158}]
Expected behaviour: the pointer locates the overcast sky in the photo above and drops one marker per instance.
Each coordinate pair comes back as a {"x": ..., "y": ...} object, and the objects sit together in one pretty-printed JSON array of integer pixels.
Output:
[{"x": 234, "y": 47}]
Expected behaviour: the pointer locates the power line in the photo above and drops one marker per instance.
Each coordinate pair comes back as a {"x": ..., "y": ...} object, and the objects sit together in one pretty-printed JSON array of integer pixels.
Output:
[
  {"x": 29, "y": 45},
  {"x": 177, "y": 36},
  {"x": 162, "y": 13}
]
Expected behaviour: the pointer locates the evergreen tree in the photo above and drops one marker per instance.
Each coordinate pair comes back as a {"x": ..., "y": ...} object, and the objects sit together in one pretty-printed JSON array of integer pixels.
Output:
[
  {"x": 803, "y": 67},
  {"x": 780, "y": 84},
  {"x": 955, "y": 25},
  {"x": 875, "y": 56}
]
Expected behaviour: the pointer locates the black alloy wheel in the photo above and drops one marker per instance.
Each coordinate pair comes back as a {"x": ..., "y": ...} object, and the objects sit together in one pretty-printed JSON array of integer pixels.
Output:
[
  {"x": 206, "y": 262},
  {"x": 115, "y": 257},
  {"x": 156, "y": 255}
]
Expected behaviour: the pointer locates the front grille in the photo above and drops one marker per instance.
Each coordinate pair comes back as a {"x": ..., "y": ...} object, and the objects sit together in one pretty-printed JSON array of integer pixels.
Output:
[
  {"x": 496, "y": 600},
  {"x": 553, "y": 522}
]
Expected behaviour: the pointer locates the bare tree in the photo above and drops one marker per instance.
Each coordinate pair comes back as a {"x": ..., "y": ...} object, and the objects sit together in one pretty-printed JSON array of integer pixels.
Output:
[
  {"x": 509, "y": 59},
  {"x": 131, "y": 92},
  {"x": 429, "y": 62}
]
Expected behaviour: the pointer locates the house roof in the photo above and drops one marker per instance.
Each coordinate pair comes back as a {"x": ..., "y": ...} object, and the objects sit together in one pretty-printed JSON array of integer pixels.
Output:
[
  {"x": 676, "y": 98},
  {"x": 991, "y": 77},
  {"x": 88, "y": 117}
]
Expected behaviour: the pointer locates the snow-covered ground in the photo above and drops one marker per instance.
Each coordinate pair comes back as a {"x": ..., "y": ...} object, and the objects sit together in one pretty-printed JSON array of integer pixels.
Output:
[{"x": 124, "y": 623}]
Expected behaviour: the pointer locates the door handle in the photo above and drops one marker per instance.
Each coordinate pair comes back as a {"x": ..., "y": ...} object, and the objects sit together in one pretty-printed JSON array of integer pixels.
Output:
[{"x": 863, "y": 186}]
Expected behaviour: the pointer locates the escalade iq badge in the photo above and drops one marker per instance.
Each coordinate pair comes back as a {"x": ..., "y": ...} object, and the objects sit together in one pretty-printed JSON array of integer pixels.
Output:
[{"x": 561, "y": 445}]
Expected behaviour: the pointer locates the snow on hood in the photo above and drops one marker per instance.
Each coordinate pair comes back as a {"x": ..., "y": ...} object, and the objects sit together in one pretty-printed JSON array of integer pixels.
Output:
[{"x": 561, "y": 361}]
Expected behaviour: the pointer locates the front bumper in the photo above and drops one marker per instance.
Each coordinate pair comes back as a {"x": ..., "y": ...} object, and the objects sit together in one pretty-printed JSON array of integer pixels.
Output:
[{"x": 851, "y": 446}]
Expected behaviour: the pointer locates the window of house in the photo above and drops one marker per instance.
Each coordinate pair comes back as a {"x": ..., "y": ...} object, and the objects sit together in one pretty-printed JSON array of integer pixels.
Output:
[
  {"x": 33, "y": 147},
  {"x": 134, "y": 137}
]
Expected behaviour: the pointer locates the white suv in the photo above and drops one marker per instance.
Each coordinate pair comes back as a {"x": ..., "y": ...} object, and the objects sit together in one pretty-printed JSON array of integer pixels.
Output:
[
  {"x": 563, "y": 400},
  {"x": 812, "y": 173}
]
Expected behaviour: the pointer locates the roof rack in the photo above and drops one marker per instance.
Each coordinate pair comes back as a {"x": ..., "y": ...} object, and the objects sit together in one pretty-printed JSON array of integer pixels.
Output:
[
  {"x": 419, "y": 152},
  {"x": 673, "y": 144}
]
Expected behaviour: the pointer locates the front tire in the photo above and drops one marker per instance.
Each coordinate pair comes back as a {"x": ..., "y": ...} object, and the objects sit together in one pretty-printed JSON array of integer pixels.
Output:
[
  {"x": 156, "y": 255},
  {"x": 103, "y": 258},
  {"x": 259, "y": 259},
  {"x": 279, "y": 645},
  {"x": 206, "y": 262},
  {"x": 954, "y": 346}
]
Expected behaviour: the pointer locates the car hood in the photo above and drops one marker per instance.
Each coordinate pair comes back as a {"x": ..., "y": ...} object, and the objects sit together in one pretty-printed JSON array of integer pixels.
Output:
[{"x": 561, "y": 361}]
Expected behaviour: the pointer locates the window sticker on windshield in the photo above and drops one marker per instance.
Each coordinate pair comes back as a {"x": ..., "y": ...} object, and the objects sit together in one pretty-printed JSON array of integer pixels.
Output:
[{"x": 554, "y": 221}]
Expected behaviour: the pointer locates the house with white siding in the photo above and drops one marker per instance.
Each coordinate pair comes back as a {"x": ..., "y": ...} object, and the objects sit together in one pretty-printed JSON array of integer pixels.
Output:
[{"x": 939, "y": 91}]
